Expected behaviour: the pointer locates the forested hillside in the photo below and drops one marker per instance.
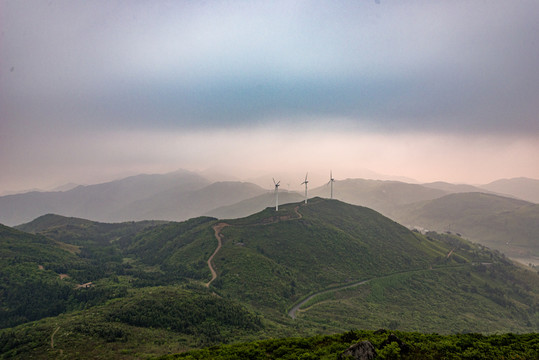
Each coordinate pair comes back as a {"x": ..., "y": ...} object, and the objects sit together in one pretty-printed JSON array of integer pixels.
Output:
[{"x": 146, "y": 288}]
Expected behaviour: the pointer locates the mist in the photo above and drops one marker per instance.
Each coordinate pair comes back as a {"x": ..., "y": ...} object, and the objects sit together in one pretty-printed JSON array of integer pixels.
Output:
[{"x": 252, "y": 154}]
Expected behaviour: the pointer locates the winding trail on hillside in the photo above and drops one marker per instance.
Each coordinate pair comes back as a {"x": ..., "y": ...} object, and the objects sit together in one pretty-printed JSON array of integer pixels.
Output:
[
  {"x": 297, "y": 306},
  {"x": 52, "y": 337},
  {"x": 297, "y": 212},
  {"x": 217, "y": 230}
]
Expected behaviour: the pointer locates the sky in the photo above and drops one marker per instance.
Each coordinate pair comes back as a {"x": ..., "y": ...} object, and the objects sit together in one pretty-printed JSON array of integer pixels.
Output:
[{"x": 92, "y": 91}]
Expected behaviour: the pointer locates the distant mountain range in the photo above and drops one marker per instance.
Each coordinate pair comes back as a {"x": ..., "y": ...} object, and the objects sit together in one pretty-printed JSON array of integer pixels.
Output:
[
  {"x": 507, "y": 224},
  {"x": 253, "y": 205},
  {"x": 175, "y": 196},
  {"x": 502, "y": 222},
  {"x": 522, "y": 188}
]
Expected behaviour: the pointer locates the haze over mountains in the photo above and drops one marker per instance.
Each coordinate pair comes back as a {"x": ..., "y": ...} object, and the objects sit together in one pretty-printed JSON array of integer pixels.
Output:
[
  {"x": 174, "y": 196},
  {"x": 500, "y": 221},
  {"x": 183, "y": 194},
  {"x": 523, "y": 188},
  {"x": 506, "y": 224}
]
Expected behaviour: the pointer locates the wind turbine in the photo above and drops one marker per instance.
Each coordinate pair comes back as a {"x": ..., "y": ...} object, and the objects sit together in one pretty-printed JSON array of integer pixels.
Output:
[
  {"x": 305, "y": 182},
  {"x": 276, "y": 194},
  {"x": 331, "y": 181}
]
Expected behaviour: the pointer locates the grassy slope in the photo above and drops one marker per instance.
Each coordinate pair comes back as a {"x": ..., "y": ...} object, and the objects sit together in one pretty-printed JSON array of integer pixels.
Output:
[
  {"x": 333, "y": 243},
  {"x": 272, "y": 261},
  {"x": 179, "y": 248}
]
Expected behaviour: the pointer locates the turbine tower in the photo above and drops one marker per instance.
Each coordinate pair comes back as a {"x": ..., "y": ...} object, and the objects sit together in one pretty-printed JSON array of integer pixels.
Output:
[
  {"x": 331, "y": 181},
  {"x": 305, "y": 182},
  {"x": 276, "y": 194}
]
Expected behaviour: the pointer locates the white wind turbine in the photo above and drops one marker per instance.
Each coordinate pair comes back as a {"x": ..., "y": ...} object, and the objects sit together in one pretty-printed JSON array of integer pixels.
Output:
[
  {"x": 276, "y": 194},
  {"x": 305, "y": 182},
  {"x": 331, "y": 181}
]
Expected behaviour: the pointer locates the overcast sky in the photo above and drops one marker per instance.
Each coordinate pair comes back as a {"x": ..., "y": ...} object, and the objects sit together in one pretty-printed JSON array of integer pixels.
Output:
[{"x": 432, "y": 90}]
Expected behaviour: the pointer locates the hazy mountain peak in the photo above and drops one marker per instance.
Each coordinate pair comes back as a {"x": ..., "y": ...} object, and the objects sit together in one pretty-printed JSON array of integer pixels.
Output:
[{"x": 521, "y": 187}]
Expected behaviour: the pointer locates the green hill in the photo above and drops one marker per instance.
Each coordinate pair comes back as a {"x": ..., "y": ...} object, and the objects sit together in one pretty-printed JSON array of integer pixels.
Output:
[
  {"x": 315, "y": 268},
  {"x": 506, "y": 224},
  {"x": 273, "y": 260},
  {"x": 155, "y": 320},
  {"x": 286, "y": 258},
  {"x": 77, "y": 231},
  {"x": 31, "y": 286}
]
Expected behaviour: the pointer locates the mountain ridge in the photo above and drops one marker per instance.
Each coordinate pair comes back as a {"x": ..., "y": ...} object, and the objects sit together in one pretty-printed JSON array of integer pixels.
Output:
[
  {"x": 174, "y": 196},
  {"x": 520, "y": 187}
]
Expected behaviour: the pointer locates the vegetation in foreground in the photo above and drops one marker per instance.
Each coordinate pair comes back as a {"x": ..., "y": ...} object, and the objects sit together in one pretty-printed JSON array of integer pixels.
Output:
[{"x": 395, "y": 345}]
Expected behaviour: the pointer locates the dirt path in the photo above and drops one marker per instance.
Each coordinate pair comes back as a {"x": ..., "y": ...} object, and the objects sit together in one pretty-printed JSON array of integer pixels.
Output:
[
  {"x": 52, "y": 337},
  {"x": 217, "y": 230},
  {"x": 296, "y": 307},
  {"x": 297, "y": 212}
]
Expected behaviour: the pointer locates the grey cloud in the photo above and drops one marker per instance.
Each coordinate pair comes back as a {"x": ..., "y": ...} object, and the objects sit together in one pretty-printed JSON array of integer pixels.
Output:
[{"x": 440, "y": 66}]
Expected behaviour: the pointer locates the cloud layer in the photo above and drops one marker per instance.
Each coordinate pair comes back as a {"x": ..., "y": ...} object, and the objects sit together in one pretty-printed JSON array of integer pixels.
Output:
[{"x": 72, "y": 70}]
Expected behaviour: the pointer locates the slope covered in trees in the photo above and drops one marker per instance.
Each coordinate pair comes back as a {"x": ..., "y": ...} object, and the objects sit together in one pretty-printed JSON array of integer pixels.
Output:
[{"x": 362, "y": 270}]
